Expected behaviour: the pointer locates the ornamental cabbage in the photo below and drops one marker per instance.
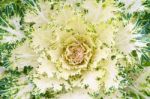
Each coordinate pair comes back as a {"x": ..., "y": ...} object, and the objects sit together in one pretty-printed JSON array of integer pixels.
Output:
[{"x": 85, "y": 49}]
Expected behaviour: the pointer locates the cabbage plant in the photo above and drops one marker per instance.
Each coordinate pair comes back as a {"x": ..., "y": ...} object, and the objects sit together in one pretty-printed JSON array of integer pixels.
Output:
[{"x": 79, "y": 49}]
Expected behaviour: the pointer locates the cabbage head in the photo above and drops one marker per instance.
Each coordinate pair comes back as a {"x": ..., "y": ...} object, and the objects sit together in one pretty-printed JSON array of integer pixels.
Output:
[{"x": 79, "y": 49}]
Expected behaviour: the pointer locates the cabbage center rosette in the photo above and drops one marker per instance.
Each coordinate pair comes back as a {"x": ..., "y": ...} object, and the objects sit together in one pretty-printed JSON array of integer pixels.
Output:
[{"x": 76, "y": 52}]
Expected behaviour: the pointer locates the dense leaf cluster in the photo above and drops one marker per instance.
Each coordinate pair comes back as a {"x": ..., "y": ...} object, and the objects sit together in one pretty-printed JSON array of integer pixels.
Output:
[{"x": 8, "y": 83}]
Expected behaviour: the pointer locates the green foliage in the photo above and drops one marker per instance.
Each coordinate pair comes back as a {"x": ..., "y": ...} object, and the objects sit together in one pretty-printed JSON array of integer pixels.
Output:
[
  {"x": 11, "y": 10},
  {"x": 8, "y": 84},
  {"x": 5, "y": 50},
  {"x": 147, "y": 3},
  {"x": 27, "y": 69},
  {"x": 145, "y": 58},
  {"x": 49, "y": 94},
  {"x": 10, "y": 22},
  {"x": 140, "y": 87},
  {"x": 4, "y": 3}
]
